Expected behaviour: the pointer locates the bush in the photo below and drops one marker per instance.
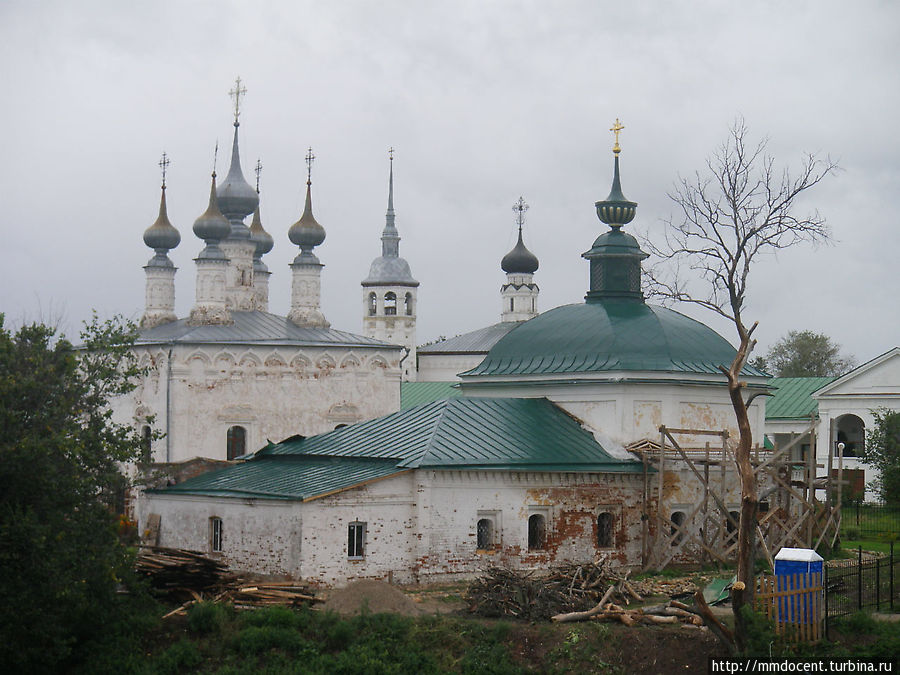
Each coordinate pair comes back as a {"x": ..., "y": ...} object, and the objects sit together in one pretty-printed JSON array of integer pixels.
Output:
[
  {"x": 183, "y": 654},
  {"x": 206, "y": 617}
]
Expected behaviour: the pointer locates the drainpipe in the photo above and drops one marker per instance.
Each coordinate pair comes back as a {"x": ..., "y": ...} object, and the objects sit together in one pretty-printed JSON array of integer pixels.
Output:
[{"x": 169, "y": 406}]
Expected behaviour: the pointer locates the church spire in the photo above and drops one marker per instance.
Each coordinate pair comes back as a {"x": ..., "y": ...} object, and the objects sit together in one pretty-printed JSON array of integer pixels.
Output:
[
  {"x": 615, "y": 257},
  {"x": 162, "y": 237},
  {"x": 518, "y": 296},
  {"x": 306, "y": 269}
]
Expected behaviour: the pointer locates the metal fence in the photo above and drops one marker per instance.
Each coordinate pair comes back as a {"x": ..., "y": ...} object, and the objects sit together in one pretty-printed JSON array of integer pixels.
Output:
[
  {"x": 870, "y": 521},
  {"x": 863, "y": 584}
]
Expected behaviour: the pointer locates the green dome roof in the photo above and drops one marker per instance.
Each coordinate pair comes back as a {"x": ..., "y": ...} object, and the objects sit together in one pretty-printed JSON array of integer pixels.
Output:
[{"x": 609, "y": 335}]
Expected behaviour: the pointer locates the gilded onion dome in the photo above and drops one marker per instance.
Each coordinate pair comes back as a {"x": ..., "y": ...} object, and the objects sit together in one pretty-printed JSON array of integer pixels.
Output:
[
  {"x": 162, "y": 235},
  {"x": 212, "y": 226}
]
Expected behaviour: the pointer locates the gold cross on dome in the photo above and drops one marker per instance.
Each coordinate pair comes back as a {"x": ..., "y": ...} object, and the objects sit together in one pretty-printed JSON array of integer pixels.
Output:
[
  {"x": 236, "y": 94},
  {"x": 616, "y": 128}
]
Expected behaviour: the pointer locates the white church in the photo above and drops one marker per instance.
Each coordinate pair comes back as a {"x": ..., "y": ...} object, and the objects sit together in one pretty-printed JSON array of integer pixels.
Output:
[{"x": 530, "y": 462}]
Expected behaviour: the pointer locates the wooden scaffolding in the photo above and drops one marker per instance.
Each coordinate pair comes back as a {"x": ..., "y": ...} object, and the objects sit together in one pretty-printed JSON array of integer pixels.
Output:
[{"x": 791, "y": 513}]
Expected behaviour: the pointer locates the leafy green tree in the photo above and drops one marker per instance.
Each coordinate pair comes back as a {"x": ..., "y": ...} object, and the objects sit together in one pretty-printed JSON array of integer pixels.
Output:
[
  {"x": 883, "y": 452},
  {"x": 60, "y": 455},
  {"x": 803, "y": 353}
]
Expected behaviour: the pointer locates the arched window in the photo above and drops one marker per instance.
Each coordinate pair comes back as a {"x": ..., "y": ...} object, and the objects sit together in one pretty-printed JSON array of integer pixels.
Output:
[
  {"x": 851, "y": 431},
  {"x": 409, "y": 304},
  {"x": 373, "y": 304},
  {"x": 677, "y": 519},
  {"x": 485, "y": 534},
  {"x": 215, "y": 534},
  {"x": 236, "y": 443},
  {"x": 537, "y": 532},
  {"x": 605, "y": 530},
  {"x": 146, "y": 442},
  {"x": 390, "y": 303}
]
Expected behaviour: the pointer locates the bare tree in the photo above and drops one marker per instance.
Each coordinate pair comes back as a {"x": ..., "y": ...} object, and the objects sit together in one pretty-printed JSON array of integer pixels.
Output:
[{"x": 742, "y": 206}]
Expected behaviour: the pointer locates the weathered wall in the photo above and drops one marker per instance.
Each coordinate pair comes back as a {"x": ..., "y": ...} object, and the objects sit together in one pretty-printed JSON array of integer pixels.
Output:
[
  {"x": 420, "y": 526},
  {"x": 439, "y": 367},
  {"x": 273, "y": 392}
]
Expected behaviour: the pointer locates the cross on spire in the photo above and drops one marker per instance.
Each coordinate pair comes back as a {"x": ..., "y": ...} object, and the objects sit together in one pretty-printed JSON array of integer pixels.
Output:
[
  {"x": 616, "y": 128},
  {"x": 164, "y": 164},
  {"x": 391, "y": 154},
  {"x": 236, "y": 94},
  {"x": 215, "y": 157},
  {"x": 310, "y": 158},
  {"x": 519, "y": 208},
  {"x": 258, "y": 170}
]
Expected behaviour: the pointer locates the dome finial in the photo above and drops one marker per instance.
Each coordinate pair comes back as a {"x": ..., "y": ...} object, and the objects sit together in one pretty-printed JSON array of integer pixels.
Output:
[
  {"x": 164, "y": 164},
  {"x": 520, "y": 260},
  {"x": 391, "y": 183},
  {"x": 236, "y": 94},
  {"x": 310, "y": 158},
  {"x": 616, "y": 128},
  {"x": 258, "y": 170}
]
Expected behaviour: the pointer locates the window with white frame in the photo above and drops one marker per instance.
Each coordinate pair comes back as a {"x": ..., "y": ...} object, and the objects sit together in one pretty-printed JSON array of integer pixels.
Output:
[
  {"x": 356, "y": 540},
  {"x": 215, "y": 534}
]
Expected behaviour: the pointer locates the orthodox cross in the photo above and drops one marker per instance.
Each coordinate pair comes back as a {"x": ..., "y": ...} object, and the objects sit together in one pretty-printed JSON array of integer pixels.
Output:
[
  {"x": 391, "y": 154},
  {"x": 164, "y": 164},
  {"x": 519, "y": 208},
  {"x": 310, "y": 157},
  {"x": 616, "y": 128},
  {"x": 236, "y": 94},
  {"x": 258, "y": 171}
]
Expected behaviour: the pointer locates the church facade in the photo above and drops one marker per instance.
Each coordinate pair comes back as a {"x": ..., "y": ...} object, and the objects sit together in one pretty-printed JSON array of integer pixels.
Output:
[
  {"x": 231, "y": 375},
  {"x": 528, "y": 467}
]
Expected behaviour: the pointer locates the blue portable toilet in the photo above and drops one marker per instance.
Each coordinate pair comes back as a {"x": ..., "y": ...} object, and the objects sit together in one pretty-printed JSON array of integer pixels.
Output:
[{"x": 805, "y": 562}]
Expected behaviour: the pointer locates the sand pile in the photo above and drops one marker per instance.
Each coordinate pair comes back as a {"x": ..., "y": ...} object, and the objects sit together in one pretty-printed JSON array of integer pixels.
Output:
[{"x": 376, "y": 597}]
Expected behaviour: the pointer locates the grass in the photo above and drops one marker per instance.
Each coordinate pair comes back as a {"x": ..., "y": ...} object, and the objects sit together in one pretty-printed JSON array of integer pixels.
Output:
[{"x": 868, "y": 545}]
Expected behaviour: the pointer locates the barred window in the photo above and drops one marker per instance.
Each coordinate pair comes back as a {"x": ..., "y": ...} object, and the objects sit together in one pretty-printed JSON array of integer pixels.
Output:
[
  {"x": 215, "y": 535},
  {"x": 356, "y": 540},
  {"x": 485, "y": 533}
]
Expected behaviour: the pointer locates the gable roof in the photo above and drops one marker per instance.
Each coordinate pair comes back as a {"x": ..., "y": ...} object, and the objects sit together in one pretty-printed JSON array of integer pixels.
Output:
[
  {"x": 475, "y": 342},
  {"x": 255, "y": 328},
  {"x": 793, "y": 397},
  {"x": 504, "y": 434},
  {"x": 885, "y": 388}
]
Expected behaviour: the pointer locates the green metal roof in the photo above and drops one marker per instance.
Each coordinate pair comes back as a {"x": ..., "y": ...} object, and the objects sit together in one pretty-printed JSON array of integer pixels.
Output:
[
  {"x": 416, "y": 393},
  {"x": 505, "y": 434},
  {"x": 609, "y": 335},
  {"x": 793, "y": 397},
  {"x": 283, "y": 477}
]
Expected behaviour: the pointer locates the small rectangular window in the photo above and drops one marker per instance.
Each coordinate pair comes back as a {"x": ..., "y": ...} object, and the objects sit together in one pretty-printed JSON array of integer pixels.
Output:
[
  {"x": 215, "y": 535},
  {"x": 356, "y": 540}
]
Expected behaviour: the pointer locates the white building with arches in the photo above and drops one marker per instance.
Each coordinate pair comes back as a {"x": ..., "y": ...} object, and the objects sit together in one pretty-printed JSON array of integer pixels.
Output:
[{"x": 230, "y": 376}]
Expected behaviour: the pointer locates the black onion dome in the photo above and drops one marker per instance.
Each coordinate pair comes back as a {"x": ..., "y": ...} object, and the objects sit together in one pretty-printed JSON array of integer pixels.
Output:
[
  {"x": 520, "y": 260},
  {"x": 162, "y": 235}
]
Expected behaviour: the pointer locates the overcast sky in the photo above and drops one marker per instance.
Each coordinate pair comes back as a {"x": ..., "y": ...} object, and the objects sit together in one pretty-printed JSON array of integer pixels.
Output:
[{"x": 482, "y": 101}]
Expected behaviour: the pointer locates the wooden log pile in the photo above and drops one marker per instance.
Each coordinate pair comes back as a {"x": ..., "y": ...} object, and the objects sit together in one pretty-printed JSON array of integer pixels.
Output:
[
  {"x": 578, "y": 591},
  {"x": 247, "y": 594},
  {"x": 173, "y": 569}
]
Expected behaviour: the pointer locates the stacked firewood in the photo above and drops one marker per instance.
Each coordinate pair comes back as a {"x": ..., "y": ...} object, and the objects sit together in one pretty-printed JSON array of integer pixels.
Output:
[
  {"x": 172, "y": 569},
  {"x": 245, "y": 594}
]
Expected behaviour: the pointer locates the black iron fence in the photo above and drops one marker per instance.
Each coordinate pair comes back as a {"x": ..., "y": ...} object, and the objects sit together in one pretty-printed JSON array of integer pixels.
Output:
[
  {"x": 866, "y": 583},
  {"x": 870, "y": 521}
]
